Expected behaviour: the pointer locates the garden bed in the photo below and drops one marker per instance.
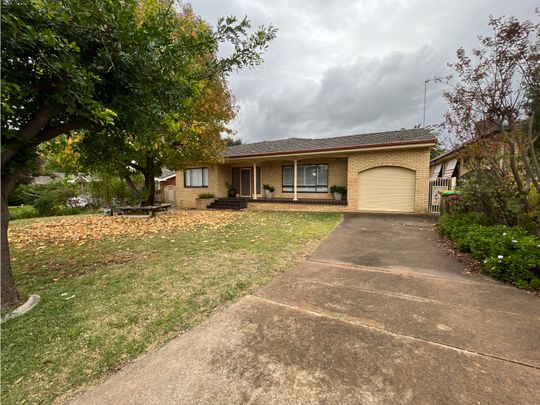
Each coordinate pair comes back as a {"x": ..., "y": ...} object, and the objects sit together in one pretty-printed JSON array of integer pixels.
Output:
[{"x": 507, "y": 253}]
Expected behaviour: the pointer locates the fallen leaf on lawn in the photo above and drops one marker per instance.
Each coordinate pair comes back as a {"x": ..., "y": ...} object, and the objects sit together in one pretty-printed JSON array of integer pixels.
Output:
[{"x": 80, "y": 229}]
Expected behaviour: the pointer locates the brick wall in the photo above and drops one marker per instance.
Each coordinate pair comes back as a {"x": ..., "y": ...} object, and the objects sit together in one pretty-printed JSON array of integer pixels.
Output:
[
  {"x": 253, "y": 206},
  {"x": 341, "y": 171},
  {"x": 413, "y": 159},
  {"x": 185, "y": 197},
  {"x": 160, "y": 194}
]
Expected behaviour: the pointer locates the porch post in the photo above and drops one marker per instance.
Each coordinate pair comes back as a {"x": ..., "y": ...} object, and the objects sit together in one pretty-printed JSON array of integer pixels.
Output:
[
  {"x": 295, "y": 180},
  {"x": 254, "y": 180}
]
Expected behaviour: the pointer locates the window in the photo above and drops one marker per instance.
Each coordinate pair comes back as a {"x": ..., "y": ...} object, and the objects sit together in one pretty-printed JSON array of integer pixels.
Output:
[
  {"x": 311, "y": 178},
  {"x": 196, "y": 177}
]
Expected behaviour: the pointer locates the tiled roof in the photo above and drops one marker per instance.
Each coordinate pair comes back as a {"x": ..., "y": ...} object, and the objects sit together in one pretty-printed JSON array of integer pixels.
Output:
[
  {"x": 298, "y": 145},
  {"x": 166, "y": 173},
  {"x": 444, "y": 155}
]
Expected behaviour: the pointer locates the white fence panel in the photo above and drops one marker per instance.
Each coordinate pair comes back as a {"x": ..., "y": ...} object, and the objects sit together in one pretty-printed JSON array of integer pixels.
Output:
[{"x": 436, "y": 186}]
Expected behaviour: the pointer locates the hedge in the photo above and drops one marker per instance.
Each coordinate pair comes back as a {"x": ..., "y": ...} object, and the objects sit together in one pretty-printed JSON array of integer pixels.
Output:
[{"x": 507, "y": 253}]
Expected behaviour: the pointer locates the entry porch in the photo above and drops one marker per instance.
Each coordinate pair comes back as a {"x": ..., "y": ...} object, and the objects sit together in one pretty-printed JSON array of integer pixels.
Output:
[{"x": 306, "y": 181}]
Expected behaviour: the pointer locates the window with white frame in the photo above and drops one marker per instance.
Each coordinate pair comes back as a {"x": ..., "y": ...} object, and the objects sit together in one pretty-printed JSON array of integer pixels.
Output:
[
  {"x": 196, "y": 177},
  {"x": 311, "y": 178}
]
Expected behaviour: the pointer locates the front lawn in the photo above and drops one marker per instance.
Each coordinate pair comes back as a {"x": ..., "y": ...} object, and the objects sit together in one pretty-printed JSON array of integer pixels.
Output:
[{"x": 114, "y": 288}]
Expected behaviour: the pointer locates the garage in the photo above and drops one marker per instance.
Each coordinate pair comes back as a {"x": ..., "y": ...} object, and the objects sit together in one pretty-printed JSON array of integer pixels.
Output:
[{"x": 386, "y": 189}]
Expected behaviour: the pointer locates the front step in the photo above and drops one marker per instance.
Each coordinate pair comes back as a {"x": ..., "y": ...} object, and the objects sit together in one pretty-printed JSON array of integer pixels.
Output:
[{"x": 228, "y": 204}]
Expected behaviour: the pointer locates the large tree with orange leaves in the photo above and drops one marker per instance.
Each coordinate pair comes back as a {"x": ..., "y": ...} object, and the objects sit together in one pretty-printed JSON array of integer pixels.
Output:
[{"x": 121, "y": 73}]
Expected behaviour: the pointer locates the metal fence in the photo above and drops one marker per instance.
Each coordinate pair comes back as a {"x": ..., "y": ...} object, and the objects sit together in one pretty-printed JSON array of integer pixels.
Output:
[{"x": 436, "y": 186}]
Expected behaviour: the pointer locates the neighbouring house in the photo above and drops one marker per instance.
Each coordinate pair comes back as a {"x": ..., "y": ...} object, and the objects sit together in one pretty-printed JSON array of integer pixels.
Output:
[
  {"x": 455, "y": 163},
  {"x": 44, "y": 180},
  {"x": 166, "y": 187},
  {"x": 450, "y": 164},
  {"x": 385, "y": 171},
  {"x": 80, "y": 179},
  {"x": 447, "y": 169}
]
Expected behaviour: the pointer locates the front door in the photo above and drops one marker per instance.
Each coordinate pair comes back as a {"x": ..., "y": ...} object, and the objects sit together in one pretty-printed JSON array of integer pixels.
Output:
[{"x": 245, "y": 182}]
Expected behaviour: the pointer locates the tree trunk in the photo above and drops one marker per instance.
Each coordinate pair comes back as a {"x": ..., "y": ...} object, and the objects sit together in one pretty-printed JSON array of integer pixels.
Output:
[
  {"x": 149, "y": 182},
  {"x": 9, "y": 296}
]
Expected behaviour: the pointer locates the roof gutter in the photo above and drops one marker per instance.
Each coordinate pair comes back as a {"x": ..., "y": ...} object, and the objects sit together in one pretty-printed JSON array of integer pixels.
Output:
[
  {"x": 343, "y": 149},
  {"x": 170, "y": 176}
]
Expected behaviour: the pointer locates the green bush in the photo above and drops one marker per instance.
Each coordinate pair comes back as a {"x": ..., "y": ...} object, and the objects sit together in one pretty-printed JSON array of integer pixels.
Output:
[
  {"x": 54, "y": 199},
  {"x": 28, "y": 211},
  {"x": 338, "y": 189},
  {"x": 43, "y": 200},
  {"x": 456, "y": 226},
  {"x": 23, "y": 212},
  {"x": 25, "y": 194},
  {"x": 483, "y": 191},
  {"x": 515, "y": 260},
  {"x": 44, "y": 205},
  {"x": 205, "y": 196},
  {"x": 107, "y": 190},
  {"x": 507, "y": 253}
]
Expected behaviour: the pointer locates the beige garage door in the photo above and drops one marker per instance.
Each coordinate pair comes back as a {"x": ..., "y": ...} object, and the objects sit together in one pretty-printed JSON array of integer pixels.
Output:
[{"x": 386, "y": 189}]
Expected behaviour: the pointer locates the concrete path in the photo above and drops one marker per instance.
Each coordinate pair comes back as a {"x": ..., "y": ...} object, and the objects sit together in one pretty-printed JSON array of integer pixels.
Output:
[{"x": 377, "y": 315}]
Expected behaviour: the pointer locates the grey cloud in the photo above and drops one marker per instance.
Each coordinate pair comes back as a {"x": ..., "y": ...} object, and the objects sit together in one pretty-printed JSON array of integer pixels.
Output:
[
  {"x": 368, "y": 94},
  {"x": 339, "y": 66}
]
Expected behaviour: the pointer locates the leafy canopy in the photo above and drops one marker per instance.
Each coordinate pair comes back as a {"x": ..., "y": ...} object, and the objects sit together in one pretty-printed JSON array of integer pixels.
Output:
[{"x": 138, "y": 66}]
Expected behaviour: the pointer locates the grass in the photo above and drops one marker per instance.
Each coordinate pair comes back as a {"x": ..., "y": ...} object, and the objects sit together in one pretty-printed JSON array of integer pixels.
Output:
[
  {"x": 24, "y": 211},
  {"x": 28, "y": 211},
  {"x": 103, "y": 303}
]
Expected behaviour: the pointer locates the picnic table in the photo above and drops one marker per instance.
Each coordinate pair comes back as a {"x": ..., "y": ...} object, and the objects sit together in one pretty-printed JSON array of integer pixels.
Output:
[{"x": 148, "y": 210}]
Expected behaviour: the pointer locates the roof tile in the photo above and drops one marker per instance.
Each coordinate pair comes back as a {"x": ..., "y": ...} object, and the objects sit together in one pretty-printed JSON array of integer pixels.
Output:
[{"x": 291, "y": 145}]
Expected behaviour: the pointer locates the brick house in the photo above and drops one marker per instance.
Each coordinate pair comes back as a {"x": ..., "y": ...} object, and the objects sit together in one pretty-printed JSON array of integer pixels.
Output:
[
  {"x": 455, "y": 163},
  {"x": 385, "y": 171}
]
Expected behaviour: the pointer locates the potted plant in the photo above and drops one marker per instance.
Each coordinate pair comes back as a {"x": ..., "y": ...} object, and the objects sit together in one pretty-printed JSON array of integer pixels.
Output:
[
  {"x": 339, "y": 191},
  {"x": 231, "y": 191},
  {"x": 268, "y": 190}
]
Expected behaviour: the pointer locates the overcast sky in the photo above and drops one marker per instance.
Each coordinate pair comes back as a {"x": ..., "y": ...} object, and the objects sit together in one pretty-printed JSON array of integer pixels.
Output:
[{"x": 340, "y": 67}]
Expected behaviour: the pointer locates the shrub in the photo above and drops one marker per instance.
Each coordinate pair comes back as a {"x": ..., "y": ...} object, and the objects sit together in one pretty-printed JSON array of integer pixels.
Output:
[
  {"x": 107, "y": 190},
  {"x": 205, "y": 196},
  {"x": 28, "y": 211},
  {"x": 483, "y": 191},
  {"x": 269, "y": 188},
  {"x": 507, "y": 253},
  {"x": 44, "y": 205},
  {"x": 515, "y": 260},
  {"x": 54, "y": 198},
  {"x": 456, "y": 226},
  {"x": 25, "y": 194},
  {"x": 338, "y": 189},
  {"x": 22, "y": 212}
]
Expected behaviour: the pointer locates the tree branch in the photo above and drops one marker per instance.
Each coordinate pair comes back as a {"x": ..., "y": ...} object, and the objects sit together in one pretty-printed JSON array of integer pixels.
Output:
[
  {"x": 136, "y": 166},
  {"x": 27, "y": 133},
  {"x": 53, "y": 132},
  {"x": 134, "y": 190}
]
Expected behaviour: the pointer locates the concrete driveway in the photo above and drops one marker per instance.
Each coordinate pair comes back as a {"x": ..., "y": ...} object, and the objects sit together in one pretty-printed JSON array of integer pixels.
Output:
[{"x": 377, "y": 315}]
